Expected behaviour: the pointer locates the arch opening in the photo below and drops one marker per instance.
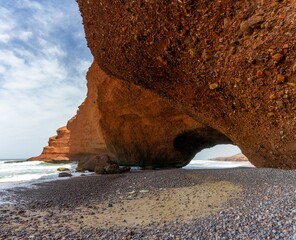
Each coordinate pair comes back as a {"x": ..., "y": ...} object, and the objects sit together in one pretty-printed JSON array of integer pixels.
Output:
[
  {"x": 218, "y": 151},
  {"x": 219, "y": 157},
  {"x": 189, "y": 143}
]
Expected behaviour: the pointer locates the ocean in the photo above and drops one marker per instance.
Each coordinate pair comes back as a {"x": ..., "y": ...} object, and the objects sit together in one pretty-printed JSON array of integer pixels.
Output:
[
  {"x": 21, "y": 173},
  {"x": 211, "y": 164}
]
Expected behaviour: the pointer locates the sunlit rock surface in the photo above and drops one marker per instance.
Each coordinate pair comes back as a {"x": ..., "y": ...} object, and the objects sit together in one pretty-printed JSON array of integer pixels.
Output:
[
  {"x": 58, "y": 147},
  {"x": 228, "y": 64},
  {"x": 134, "y": 127}
]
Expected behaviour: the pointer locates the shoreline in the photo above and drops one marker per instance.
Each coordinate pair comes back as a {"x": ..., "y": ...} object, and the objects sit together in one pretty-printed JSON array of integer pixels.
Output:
[
  {"x": 23, "y": 173},
  {"x": 224, "y": 203}
]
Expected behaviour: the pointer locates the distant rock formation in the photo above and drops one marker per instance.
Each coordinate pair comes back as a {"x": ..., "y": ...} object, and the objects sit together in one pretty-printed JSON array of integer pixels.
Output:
[
  {"x": 235, "y": 158},
  {"x": 58, "y": 147},
  {"x": 228, "y": 64}
]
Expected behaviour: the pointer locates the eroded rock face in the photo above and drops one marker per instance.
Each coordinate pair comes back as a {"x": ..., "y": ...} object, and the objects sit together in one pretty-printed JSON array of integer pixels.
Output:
[
  {"x": 58, "y": 147},
  {"x": 82, "y": 139},
  {"x": 131, "y": 126},
  {"x": 86, "y": 132},
  {"x": 228, "y": 64},
  {"x": 143, "y": 129}
]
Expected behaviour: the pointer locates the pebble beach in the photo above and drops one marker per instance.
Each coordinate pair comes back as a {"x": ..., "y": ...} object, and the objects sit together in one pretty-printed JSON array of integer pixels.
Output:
[{"x": 241, "y": 203}]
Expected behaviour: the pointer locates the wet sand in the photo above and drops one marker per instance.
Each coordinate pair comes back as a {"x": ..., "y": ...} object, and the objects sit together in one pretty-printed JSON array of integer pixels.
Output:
[{"x": 163, "y": 204}]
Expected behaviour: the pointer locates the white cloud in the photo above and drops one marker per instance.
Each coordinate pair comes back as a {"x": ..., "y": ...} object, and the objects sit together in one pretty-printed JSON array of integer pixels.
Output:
[
  {"x": 25, "y": 36},
  {"x": 42, "y": 80},
  {"x": 26, "y": 71},
  {"x": 29, "y": 4},
  {"x": 6, "y": 25},
  {"x": 4, "y": 37}
]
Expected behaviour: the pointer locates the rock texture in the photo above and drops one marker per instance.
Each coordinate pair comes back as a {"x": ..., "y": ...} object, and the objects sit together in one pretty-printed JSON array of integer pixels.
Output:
[
  {"x": 86, "y": 139},
  {"x": 229, "y": 65},
  {"x": 127, "y": 125},
  {"x": 143, "y": 129},
  {"x": 58, "y": 147},
  {"x": 86, "y": 133}
]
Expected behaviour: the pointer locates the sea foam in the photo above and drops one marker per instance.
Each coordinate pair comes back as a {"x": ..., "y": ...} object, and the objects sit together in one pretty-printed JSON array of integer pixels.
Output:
[{"x": 15, "y": 173}]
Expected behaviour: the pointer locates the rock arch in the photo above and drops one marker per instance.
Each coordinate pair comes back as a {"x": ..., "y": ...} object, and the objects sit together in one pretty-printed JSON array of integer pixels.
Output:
[{"x": 227, "y": 64}]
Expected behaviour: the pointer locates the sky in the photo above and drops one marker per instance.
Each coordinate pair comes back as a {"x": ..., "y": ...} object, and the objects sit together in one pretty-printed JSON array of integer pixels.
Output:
[
  {"x": 222, "y": 150},
  {"x": 43, "y": 63}
]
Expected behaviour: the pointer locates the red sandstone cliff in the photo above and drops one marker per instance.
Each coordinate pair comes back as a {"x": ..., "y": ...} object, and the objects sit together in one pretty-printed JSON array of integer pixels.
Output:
[
  {"x": 133, "y": 126},
  {"x": 142, "y": 129},
  {"x": 173, "y": 77},
  {"x": 86, "y": 133},
  {"x": 228, "y": 64},
  {"x": 58, "y": 147}
]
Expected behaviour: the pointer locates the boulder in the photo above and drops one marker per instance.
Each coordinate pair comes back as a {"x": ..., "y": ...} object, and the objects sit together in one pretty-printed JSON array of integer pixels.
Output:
[
  {"x": 62, "y": 169},
  {"x": 228, "y": 66},
  {"x": 100, "y": 164},
  {"x": 94, "y": 163},
  {"x": 65, "y": 174}
]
